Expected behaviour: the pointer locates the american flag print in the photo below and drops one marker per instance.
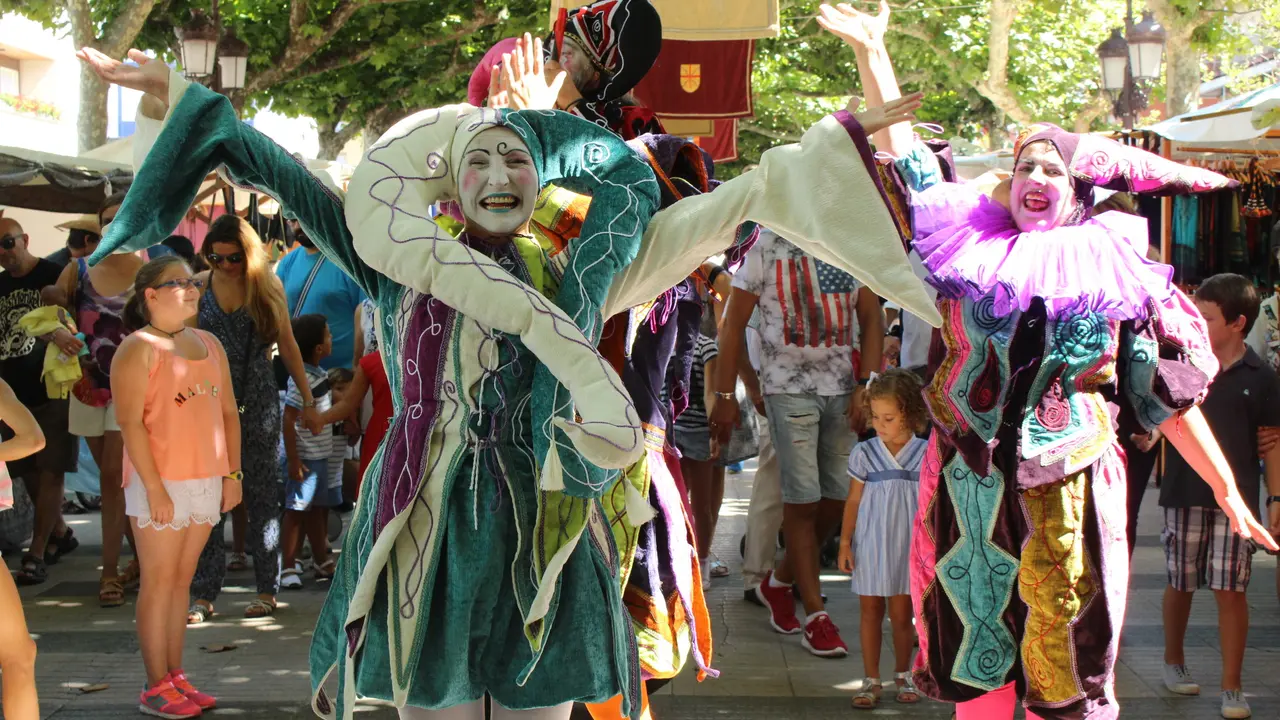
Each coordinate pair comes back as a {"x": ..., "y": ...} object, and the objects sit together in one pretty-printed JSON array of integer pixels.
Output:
[{"x": 817, "y": 302}]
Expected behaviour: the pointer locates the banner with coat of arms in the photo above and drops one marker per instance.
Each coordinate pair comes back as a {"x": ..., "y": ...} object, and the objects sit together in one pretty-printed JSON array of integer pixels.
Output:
[{"x": 700, "y": 80}]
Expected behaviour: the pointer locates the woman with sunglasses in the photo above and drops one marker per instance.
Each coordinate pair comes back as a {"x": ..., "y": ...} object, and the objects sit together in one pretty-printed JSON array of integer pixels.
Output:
[
  {"x": 181, "y": 429},
  {"x": 244, "y": 307},
  {"x": 97, "y": 298}
]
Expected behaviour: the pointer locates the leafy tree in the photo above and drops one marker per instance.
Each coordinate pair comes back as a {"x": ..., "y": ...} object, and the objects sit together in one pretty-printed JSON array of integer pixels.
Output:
[
  {"x": 983, "y": 68},
  {"x": 108, "y": 25},
  {"x": 343, "y": 61}
]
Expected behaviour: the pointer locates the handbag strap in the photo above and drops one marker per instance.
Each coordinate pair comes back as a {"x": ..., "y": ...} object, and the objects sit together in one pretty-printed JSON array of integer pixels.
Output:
[{"x": 306, "y": 287}]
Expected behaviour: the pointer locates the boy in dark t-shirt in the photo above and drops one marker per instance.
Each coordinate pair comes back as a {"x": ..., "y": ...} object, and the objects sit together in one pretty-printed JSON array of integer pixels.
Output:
[
  {"x": 22, "y": 366},
  {"x": 1200, "y": 547}
]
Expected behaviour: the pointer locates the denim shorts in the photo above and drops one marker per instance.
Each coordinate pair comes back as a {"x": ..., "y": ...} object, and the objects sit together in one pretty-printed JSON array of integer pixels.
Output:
[
  {"x": 812, "y": 440},
  {"x": 316, "y": 489}
]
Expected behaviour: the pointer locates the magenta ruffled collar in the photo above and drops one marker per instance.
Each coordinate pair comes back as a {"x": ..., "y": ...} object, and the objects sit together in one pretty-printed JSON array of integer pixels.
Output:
[{"x": 972, "y": 248}]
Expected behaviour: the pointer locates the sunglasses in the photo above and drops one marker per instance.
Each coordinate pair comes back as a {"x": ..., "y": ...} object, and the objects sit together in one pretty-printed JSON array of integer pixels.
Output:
[
  {"x": 182, "y": 284},
  {"x": 232, "y": 259},
  {"x": 9, "y": 242}
]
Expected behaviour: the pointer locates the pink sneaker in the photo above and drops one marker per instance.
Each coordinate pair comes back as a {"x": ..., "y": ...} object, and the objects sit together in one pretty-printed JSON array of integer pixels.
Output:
[
  {"x": 822, "y": 638},
  {"x": 164, "y": 701},
  {"x": 781, "y": 604},
  {"x": 202, "y": 700}
]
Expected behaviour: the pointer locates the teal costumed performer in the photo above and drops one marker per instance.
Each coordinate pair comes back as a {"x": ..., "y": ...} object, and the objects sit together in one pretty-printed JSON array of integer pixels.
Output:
[{"x": 479, "y": 561}]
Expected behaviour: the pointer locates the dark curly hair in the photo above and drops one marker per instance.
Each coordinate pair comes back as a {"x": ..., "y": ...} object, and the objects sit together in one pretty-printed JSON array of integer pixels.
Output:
[{"x": 903, "y": 387}]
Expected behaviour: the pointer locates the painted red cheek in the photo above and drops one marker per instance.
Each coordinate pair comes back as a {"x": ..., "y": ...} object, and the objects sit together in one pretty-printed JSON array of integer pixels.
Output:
[{"x": 470, "y": 179}]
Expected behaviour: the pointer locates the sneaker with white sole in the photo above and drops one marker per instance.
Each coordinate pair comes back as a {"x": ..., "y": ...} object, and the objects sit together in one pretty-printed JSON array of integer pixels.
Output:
[
  {"x": 1179, "y": 681},
  {"x": 1234, "y": 706},
  {"x": 291, "y": 579},
  {"x": 822, "y": 638}
]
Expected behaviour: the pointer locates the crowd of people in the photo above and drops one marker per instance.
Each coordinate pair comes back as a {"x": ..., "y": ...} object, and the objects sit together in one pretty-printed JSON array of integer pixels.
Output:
[{"x": 524, "y": 380}]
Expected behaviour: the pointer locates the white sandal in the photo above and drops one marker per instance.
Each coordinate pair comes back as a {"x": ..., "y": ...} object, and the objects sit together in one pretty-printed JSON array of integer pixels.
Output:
[
  {"x": 868, "y": 694},
  {"x": 908, "y": 687}
]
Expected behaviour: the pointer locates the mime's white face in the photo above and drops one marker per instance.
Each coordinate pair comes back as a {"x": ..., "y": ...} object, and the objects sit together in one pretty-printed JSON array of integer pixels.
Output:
[{"x": 498, "y": 183}]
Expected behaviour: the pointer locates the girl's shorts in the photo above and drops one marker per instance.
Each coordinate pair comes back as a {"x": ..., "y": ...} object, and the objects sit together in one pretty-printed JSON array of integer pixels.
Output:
[{"x": 194, "y": 501}]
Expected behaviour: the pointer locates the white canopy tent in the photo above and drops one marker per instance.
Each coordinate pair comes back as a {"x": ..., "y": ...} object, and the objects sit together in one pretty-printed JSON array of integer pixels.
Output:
[
  {"x": 1242, "y": 127},
  {"x": 1245, "y": 125}
]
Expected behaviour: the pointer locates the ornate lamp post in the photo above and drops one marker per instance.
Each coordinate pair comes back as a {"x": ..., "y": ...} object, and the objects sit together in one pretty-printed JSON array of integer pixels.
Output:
[
  {"x": 202, "y": 43},
  {"x": 1131, "y": 63}
]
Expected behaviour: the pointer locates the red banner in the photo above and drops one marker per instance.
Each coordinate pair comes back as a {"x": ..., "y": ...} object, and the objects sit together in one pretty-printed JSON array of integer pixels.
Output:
[
  {"x": 700, "y": 79},
  {"x": 723, "y": 144}
]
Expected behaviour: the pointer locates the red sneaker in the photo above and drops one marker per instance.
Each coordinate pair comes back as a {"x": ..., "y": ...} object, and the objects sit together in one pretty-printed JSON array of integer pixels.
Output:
[
  {"x": 822, "y": 638},
  {"x": 164, "y": 701},
  {"x": 202, "y": 700},
  {"x": 781, "y": 604}
]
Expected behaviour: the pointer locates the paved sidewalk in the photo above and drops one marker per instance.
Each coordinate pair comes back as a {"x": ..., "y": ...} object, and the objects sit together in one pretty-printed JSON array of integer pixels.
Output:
[{"x": 764, "y": 675}]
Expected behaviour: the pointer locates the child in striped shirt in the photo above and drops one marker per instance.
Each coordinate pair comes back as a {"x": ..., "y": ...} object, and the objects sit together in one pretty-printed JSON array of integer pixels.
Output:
[
  {"x": 875, "y": 537},
  {"x": 309, "y": 490}
]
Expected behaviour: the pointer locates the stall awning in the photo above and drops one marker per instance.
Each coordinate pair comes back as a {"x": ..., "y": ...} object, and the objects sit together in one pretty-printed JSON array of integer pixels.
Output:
[
  {"x": 1229, "y": 121},
  {"x": 57, "y": 183}
]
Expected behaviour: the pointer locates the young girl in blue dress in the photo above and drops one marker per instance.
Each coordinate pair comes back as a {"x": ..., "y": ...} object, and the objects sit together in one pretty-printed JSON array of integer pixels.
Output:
[{"x": 875, "y": 538}]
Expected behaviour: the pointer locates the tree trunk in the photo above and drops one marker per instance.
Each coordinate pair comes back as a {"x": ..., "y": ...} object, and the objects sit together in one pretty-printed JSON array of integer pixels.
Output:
[
  {"x": 332, "y": 141},
  {"x": 381, "y": 121},
  {"x": 1182, "y": 68},
  {"x": 91, "y": 125}
]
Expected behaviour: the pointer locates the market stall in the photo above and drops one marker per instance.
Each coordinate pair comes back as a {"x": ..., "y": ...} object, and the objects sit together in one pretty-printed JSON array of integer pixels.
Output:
[{"x": 1233, "y": 230}]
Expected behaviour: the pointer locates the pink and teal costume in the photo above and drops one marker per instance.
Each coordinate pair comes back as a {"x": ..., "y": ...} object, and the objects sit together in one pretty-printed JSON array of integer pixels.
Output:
[{"x": 1053, "y": 342}]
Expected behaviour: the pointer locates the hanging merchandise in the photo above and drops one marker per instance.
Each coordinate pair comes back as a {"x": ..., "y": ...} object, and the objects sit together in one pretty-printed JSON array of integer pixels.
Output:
[{"x": 1254, "y": 183}]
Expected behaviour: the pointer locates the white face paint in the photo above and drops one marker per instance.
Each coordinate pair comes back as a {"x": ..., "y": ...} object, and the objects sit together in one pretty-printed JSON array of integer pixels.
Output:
[{"x": 497, "y": 183}]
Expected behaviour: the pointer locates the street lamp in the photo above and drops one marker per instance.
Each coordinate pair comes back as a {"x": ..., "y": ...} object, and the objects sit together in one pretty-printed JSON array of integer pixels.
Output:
[
  {"x": 233, "y": 59},
  {"x": 1130, "y": 63},
  {"x": 1115, "y": 59},
  {"x": 199, "y": 43},
  {"x": 1146, "y": 48}
]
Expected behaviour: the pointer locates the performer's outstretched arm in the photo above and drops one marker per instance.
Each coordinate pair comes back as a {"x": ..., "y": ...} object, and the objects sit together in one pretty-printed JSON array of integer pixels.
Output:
[
  {"x": 822, "y": 194},
  {"x": 199, "y": 132}
]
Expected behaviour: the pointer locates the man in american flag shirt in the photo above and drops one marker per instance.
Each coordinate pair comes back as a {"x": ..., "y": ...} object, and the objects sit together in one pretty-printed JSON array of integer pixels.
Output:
[{"x": 810, "y": 315}]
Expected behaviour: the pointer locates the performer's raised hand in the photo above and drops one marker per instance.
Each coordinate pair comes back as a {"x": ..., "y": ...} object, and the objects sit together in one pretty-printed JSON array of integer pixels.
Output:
[
  {"x": 148, "y": 76},
  {"x": 855, "y": 27},
  {"x": 891, "y": 113},
  {"x": 524, "y": 77}
]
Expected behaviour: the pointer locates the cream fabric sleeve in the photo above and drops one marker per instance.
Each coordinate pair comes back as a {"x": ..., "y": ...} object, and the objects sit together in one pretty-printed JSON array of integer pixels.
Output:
[{"x": 821, "y": 194}]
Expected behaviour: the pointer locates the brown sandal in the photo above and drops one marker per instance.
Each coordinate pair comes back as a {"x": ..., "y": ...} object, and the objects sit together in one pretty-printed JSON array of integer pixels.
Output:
[
  {"x": 110, "y": 592},
  {"x": 259, "y": 608}
]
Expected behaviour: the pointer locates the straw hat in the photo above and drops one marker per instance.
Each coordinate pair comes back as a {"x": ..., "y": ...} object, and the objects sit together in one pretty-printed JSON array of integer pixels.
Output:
[{"x": 88, "y": 223}]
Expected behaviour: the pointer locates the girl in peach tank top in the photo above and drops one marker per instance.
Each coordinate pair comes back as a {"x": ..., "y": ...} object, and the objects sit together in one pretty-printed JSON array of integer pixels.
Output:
[{"x": 181, "y": 428}]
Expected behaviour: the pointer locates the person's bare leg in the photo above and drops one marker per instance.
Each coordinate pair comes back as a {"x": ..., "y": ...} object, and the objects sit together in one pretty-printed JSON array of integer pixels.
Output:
[
  {"x": 799, "y": 524},
  {"x": 114, "y": 524},
  {"x": 1233, "y": 632},
  {"x": 904, "y": 632},
  {"x": 1177, "y": 613},
  {"x": 48, "y": 522},
  {"x": 697, "y": 478},
  {"x": 160, "y": 598},
  {"x": 194, "y": 538},
  {"x": 111, "y": 502},
  {"x": 717, "y": 500},
  {"x": 17, "y": 656},
  {"x": 239, "y": 521},
  {"x": 871, "y": 609},
  {"x": 291, "y": 535},
  {"x": 317, "y": 526}
]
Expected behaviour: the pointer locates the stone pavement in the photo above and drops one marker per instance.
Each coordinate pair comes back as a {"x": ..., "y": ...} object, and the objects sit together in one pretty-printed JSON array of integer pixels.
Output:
[{"x": 764, "y": 675}]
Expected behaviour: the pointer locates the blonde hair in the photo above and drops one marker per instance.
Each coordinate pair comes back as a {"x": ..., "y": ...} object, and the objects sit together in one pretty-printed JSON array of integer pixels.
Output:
[
  {"x": 904, "y": 388},
  {"x": 263, "y": 296}
]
